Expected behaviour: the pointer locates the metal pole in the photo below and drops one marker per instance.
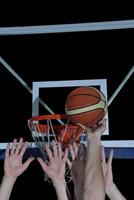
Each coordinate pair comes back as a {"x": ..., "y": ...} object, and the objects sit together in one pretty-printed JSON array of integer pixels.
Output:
[
  {"x": 66, "y": 28},
  {"x": 6, "y": 65},
  {"x": 121, "y": 85}
]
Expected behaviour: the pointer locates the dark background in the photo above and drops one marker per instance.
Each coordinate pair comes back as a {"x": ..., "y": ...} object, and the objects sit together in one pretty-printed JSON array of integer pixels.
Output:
[{"x": 66, "y": 56}]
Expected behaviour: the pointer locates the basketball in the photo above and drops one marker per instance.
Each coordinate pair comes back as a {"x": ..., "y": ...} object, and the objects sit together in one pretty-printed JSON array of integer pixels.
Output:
[{"x": 86, "y": 105}]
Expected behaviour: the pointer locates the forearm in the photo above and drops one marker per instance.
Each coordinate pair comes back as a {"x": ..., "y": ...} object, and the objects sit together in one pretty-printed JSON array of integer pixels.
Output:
[
  {"x": 60, "y": 187},
  {"x": 6, "y": 187},
  {"x": 94, "y": 187},
  {"x": 113, "y": 193},
  {"x": 78, "y": 191}
]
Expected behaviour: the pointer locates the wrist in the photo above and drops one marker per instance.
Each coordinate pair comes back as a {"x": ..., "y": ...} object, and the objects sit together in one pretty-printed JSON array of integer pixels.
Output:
[
  {"x": 110, "y": 188},
  {"x": 9, "y": 179},
  {"x": 59, "y": 182},
  {"x": 95, "y": 139},
  {"x": 114, "y": 193}
]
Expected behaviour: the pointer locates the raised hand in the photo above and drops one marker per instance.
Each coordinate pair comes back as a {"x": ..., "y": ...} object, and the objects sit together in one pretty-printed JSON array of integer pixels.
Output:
[
  {"x": 111, "y": 189},
  {"x": 107, "y": 168},
  {"x": 95, "y": 131},
  {"x": 76, "y": 162},
  {"x": 55, "y": 169},
  {"x": 13, "y": 165},
  {"x": 57, "y": 161},
  {"x": 73, "y": 148}
]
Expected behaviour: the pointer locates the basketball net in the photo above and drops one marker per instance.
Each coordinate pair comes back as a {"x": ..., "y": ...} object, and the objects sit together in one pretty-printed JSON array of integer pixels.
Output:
[{"x": 43, "y": 133}]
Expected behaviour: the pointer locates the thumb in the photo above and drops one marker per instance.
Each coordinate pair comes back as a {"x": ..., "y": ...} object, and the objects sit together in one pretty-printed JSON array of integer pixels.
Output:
[
  {"x": 69, "y": 163},
  {"x": 27, "y": 163}
]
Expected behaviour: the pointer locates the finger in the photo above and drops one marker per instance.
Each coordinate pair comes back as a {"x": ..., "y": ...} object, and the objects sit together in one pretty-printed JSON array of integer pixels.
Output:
[
  {"x": 7, "y": 150},
  {"x": 23, "y": 148},
  {"x": 103, "y": 154},
  {"x": 82, "y": 126},
  {"x": 27, "y": 163},
  {"x": 110, "y": 158},
  {"x": 54, "y": 145},
  {"x": 69, "y": 163},
  {"x": 49, "y": 152},
  {"x": 60, "y": 150},
  {"x": 103, "y": 125},
  {"x": 82, "y": 152},
  {"x": 75, "y": 148},
  {"x": 72, "y": 152},
  {"x": 19, "y": 146},
  {"x": 87, "y": 129},
  {"x": 65, "y": 154},
  {"x": 100, "y": 128},
  {"x": 43, "y": 164},
  {"x": 13, "y": 147}
]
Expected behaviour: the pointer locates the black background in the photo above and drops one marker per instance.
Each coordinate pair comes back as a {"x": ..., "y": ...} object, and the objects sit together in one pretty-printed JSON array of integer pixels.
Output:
[{"x": 66, "y": 56}]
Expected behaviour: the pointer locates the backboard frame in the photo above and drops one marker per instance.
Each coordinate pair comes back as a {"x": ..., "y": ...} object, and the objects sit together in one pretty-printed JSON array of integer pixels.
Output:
[{"x": 102, "y": 83}]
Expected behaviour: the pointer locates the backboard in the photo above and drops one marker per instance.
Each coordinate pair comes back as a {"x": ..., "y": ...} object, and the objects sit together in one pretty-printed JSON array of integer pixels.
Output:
[{"x": 121, "y": 145}]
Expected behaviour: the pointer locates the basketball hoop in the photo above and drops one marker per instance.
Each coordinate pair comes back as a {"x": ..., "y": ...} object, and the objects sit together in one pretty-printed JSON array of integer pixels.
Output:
[{"x": 44, "y": 129}]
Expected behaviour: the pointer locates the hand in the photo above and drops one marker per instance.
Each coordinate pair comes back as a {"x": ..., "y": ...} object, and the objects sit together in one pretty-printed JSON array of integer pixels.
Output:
[
  {"x": 57, "y": 161},
  {"x": 73, "y": 148},
  {"x": 77, "y": 162},
  {"x": 13, "y": 166},
  {"x": 95, "y": 131},
  {"x": 107, "y": 168},
  {"x": 78, "y": 166}
]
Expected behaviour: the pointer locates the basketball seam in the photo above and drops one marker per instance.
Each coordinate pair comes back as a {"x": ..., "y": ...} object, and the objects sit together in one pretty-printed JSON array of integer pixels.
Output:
[
  {"x": 83, "y": 107},
  {"x": 83, "y": 94},
  {"x": 80, "y": 110},
  {"x": 88, "y": 95},
  {"x": 85, "y": 112}
]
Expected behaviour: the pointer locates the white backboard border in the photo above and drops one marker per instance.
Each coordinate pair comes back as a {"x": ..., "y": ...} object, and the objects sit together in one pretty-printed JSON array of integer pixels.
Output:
[{"x": 102, "y": 83}]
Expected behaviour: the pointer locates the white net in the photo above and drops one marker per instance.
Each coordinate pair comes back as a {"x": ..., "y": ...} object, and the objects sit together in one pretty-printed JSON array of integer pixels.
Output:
[{"x": 43, "y": 134}]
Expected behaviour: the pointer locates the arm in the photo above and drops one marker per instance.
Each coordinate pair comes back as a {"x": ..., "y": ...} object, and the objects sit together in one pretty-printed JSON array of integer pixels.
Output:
[
  {"x": 114, "y": 194},
  {"x": 6, "y": 188},
  {"x": 13, "y": 167},
  {"x": 60, "y": 187},
  {"x": 111, "y": 189},
  {"x": 56, "y": 168},
  {"x": 77, "y": 167},
  {"x": 94, "y": 186}
]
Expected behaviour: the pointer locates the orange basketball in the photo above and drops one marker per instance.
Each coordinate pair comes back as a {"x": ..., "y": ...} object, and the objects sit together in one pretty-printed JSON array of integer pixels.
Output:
[{"x": 86, "y": 105}]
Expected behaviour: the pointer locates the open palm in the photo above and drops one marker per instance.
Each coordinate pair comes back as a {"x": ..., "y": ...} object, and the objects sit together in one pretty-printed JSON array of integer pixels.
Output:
[
  {"x": 57, "y": 161},
  {"x": 13, "y": 165}
]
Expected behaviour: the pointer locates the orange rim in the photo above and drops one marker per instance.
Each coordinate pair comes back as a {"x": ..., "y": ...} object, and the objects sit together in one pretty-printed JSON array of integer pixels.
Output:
[
  {"x": 65, "y": 133},
  {"x": 46, "y": 117}
]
